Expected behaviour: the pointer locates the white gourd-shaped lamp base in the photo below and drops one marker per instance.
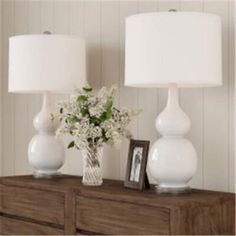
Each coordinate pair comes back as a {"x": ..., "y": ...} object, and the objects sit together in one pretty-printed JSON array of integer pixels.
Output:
[
  {"x": 172, "y": 159},
  {"x": 46, "y": 152}
]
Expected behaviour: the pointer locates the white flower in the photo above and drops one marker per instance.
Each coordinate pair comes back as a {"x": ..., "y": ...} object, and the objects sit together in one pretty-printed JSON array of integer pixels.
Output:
[
  {"x": 96, "y": 111},
  {"x": 91, "y": 118}
]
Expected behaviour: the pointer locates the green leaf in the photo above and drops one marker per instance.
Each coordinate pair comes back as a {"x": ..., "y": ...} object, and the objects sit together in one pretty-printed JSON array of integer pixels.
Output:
[
  {"x": 95, "y": 120},
  {"x": 87, "y": 89},
  {"x": 71, "y": 144},
  {"x": 84, "y": 112},
  {"x": 109, "y": 114},
  {"x": 109, "y": 104},
  {"x": 103, "y": 116},
  {"x": 82, "y": 98}
]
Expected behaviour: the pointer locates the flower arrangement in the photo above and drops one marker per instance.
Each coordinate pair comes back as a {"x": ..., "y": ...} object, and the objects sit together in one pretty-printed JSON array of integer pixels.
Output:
[{"x": 92, "y": 119}]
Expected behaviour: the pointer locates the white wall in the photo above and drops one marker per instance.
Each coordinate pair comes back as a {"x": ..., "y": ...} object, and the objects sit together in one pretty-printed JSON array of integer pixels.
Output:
[
  {"x": 0, "y": 88},
  {"x": 102, "y": 24}
]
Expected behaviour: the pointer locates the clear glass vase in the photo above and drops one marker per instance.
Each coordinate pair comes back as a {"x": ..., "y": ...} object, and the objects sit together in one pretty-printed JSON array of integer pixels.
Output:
[{"x": 92, "y": 169}]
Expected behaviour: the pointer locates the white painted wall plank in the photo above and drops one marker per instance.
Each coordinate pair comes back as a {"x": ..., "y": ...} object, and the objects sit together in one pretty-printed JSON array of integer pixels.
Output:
[
  {"x": 34, "y": 24},
  {"x": 92, "y": 30},
  {"x": 215, "y": 115},
  {"x": 231, "y": 94},
  {"x": 47, "y": 16},
  {"x": 8, "y": 143},
  {"x": 128, "y": 96},
  {"x": 76, "y": 26},
  {"x": 192, "y": 103},
  {"x": 21, "y": 135},
  {"x": 147, "y": 98},
  {"x": 61, "y": 26},
  {"x": 110, "y": 72},
  {"x": 1, "y": 94}
]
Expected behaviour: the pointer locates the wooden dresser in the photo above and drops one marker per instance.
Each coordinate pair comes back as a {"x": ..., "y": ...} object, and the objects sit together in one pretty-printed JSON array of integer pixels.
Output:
[{"x": 64, "y": 206}]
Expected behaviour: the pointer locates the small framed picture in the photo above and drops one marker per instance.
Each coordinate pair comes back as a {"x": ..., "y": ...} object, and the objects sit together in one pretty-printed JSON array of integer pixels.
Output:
[{"x": 136, "y": 176}]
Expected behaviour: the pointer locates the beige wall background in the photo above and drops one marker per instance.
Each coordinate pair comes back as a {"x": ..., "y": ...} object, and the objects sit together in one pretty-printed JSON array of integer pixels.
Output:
[
  {"x": 102, "y": 24},
  {"x": 0, "y": 88}
]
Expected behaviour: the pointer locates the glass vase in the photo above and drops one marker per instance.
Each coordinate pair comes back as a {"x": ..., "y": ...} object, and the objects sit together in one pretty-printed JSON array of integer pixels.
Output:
[{"x": 92, "y": 169}]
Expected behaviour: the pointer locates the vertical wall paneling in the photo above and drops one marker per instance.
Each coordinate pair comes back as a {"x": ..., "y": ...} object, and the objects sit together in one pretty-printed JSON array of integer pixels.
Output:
[
  {"x": 1, "y": 97},
  {"x": 128, "y": 96},
  {"x": 192, "y": 103},
  {"x": 34, "y": 23},
  {"x": 47, "y": 16},
  {"x": 8, "y": 143},
  {"x": 216, "y": 121},
  {"x": 147, "y": 98},
  {"x": 231, "y": 47},
  {"x": 102, "y": 23},
  {"x": 61, "y": 26},
  {"x": 76, "y": 27},
  {"x": 110, "y": 72},
  {"x": 21, "y": 9},
  {"x": 92, "y": 32}
]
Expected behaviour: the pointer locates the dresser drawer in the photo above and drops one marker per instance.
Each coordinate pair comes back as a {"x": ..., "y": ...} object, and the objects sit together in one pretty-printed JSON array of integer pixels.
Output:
[
  {"x": 113, "y": 217},
  {"x": 18, "y": 227},
  {"x": 45, "y": 206}
]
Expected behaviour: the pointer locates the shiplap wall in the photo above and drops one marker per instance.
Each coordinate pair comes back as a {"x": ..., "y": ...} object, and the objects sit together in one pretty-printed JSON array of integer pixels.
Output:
[
  {"x": 102, "y": 25},
  {"x": 0, "y": 88}
]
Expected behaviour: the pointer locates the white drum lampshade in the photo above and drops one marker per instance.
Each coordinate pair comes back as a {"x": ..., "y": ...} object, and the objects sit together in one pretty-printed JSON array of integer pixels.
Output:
[
  {"x": 46, "y": 64},
  {"x": 174, "y": 50},
  {"x": 39, "y": 63}
]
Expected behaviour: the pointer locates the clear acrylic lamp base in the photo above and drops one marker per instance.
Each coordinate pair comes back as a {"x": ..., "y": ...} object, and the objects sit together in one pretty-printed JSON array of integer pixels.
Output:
[
  {"x": 46, "y": 151},
  {"x": 172, "y": 159}
]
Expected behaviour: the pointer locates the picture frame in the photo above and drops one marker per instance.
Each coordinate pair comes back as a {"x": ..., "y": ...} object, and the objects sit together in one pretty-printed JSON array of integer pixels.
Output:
[{"x": 136, "y": 176}]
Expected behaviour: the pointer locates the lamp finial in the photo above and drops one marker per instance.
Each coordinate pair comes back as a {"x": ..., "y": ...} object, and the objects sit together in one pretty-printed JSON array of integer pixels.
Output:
[{"x": 47, "y": 32}]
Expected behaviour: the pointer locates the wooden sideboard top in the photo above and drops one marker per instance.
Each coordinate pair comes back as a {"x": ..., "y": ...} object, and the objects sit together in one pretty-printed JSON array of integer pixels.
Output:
[
  {"x": 115, "y": 190},
  {"x": 62, "y": 205}
]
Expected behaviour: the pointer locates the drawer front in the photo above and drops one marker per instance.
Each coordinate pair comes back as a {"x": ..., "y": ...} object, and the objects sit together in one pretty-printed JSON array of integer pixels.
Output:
[
  {"x": 18, "y": 227},
  {"x": 34, "y": 204},
  {"x": 111, "y": 217}
]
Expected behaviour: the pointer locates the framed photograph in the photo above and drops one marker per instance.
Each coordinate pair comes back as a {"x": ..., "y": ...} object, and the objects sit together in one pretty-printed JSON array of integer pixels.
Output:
[{"x": 136, "y": 176}]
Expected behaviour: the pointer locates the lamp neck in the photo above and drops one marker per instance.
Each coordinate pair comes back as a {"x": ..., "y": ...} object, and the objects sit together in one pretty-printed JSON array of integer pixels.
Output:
[
  {"x": 173, "y": 96},
  {"x": 47, "y": 101}
]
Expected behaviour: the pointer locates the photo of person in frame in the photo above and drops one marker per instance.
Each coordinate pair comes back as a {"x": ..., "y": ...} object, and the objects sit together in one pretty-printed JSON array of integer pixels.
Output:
[{"x": 136, "y": 164}]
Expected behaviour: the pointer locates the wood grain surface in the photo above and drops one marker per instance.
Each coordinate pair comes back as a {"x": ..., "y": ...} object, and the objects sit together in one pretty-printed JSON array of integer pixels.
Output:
[
  {"x": 64, "y": 204},
  {"x": 45, "y": 206},
  {"x": 112, "y": 217},
  {"x": 13, "y": 226}
]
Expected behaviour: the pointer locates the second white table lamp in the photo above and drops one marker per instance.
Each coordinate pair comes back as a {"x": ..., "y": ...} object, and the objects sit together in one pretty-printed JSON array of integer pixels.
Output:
[
  {"x": 46, "y": 64},
  {"x": 173, "y": 50}
]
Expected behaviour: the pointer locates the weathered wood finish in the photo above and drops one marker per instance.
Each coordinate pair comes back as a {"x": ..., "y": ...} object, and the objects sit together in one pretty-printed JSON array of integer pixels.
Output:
[
  {"x": 112, "y": 217},
  {"x": 64, "y": 206},
  {"x": 35, "y": 204},
  {"x": 13, "y": 226}
]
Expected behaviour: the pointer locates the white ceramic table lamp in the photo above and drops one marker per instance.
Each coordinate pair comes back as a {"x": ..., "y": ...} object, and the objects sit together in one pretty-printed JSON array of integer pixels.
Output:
[
  {"x": 173, "y": 50},
  {"x": 46, "y": 64}
]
